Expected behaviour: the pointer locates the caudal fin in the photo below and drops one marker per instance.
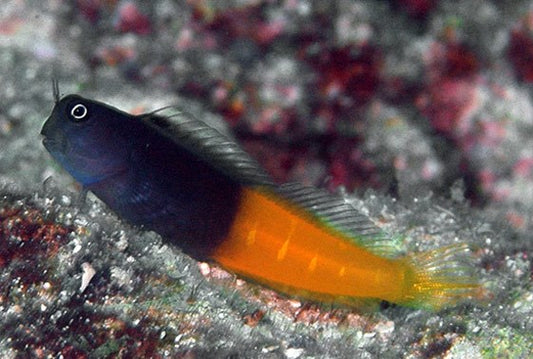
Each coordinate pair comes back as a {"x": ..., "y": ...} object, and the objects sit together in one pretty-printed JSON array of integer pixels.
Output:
[{"x": 439, "y": 278}]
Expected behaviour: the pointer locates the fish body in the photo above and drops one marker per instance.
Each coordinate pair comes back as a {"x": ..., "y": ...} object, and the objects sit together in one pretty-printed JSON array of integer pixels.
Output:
[
  {"x": 142, "y": 175},
  {"x": 196, "y": 188}
]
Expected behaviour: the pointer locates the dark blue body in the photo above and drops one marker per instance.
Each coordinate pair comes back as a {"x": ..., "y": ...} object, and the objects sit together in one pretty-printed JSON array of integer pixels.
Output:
[
  {"x": 143, "y": 175},
  {"x": 169, "y": 190}
]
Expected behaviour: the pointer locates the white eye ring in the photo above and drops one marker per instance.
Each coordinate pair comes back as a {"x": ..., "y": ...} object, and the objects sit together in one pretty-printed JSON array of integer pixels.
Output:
[{"x": 78, "y": 112}]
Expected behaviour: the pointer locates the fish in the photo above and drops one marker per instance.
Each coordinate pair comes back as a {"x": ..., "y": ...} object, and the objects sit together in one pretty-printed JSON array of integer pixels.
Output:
[{"x": 179, "y": 177}]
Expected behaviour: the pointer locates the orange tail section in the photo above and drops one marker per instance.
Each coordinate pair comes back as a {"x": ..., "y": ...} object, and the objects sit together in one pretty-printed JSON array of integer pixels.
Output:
[
  {"x": 280, "y": 245},
  {"x": 285, "y": 248}
]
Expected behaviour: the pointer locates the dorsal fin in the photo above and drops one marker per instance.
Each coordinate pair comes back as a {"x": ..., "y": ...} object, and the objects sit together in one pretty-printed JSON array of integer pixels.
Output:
[
  {"x": 334, "y": 211},
  {"x": 223, "y": 153},
  {"x": 209, "y": 144}
]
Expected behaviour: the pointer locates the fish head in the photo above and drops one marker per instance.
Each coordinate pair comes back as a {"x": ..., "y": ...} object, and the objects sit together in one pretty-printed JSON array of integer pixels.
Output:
[{"x": 87, "y": 138}]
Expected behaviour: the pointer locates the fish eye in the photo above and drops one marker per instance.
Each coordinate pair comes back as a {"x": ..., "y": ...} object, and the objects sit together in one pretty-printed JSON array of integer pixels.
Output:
[{"x": 78, "y": 112}]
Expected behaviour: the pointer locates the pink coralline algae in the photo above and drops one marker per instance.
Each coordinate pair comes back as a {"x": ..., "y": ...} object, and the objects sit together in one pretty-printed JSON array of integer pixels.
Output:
[
  {"x": 310, "y": 114},
  {"x": 524, "y": 167},
  {"x": 130, "y": 19},
  {"x": 126, "y": 15},
  {"x": 247, "y": 22},
  {"x": 44, "y": 317},
  {"x": 418, "y": 9},
  {"x": 450, "y": 95},
  {"x": 520, "y": 50},
  {"x": 347, "y": 77},
  {"x": 27, "y": 240},
  {"x": 91, "y": 10}
]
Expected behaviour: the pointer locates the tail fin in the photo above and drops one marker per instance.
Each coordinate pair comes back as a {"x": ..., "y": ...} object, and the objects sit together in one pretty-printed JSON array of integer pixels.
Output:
[{"x": 439, "y": 278}]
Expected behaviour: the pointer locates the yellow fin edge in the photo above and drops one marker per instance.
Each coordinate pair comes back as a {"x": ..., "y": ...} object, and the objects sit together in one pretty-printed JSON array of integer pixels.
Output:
[{"x": 440, "y": 278}]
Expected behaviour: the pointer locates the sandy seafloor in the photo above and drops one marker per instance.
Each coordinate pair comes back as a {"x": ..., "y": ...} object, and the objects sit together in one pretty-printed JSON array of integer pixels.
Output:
[{"x": 147, "y": 299}]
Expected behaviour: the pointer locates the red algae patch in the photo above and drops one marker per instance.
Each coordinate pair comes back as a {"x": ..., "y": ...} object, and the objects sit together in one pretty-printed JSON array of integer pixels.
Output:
[{"x": 27, "y": 240}]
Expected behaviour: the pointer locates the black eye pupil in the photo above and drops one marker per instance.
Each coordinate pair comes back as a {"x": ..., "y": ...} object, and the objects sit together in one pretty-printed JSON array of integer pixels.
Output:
[{"x": 78, "y": 112}]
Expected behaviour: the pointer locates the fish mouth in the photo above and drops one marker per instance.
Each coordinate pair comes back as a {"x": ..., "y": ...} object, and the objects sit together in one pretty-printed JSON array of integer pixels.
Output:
[
  {"x": 48, "y": 141},
  {"x": 51, "y": 144},
  {"x": 52, "y": 139}
]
